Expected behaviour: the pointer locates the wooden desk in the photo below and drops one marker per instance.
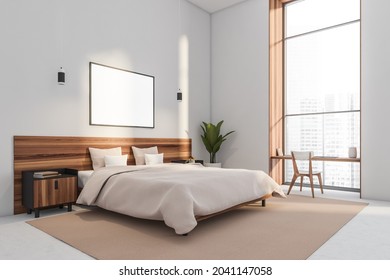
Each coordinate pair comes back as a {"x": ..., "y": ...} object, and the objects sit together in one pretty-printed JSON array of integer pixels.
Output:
[
  {"x": 276, "y": 170},
  {"x": 319, "y": 158}
]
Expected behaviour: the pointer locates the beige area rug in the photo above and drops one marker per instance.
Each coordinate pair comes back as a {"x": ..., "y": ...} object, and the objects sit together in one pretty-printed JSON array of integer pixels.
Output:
[{"x": 286, "y": 229}]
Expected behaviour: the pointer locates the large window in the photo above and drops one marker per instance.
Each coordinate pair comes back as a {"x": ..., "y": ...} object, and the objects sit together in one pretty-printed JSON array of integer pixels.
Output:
[{"x": 322, "y": 85}]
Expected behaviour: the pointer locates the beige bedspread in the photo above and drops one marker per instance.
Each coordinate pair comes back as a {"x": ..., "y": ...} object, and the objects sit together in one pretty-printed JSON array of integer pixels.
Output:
[{"x": 174, "y": 193}]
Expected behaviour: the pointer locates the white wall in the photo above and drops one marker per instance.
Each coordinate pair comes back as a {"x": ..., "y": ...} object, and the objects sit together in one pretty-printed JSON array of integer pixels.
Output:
[
  {"x": 38, "y": 37},
  {"x": 375, "y": 100},
  {"x": 240, "y": 82},
  {"x": 195, "y": 29}
]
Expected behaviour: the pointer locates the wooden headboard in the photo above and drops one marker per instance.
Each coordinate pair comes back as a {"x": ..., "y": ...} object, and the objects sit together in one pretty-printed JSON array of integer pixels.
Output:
[{"x": 44, "y": 152}]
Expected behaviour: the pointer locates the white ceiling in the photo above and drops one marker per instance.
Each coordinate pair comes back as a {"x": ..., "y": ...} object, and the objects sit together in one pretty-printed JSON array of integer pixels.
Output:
[{"x": 212, "y": 6}]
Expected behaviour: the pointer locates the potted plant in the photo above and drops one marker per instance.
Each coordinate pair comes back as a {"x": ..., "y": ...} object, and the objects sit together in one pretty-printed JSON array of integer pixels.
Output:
[{"x": 213, "y": 139}]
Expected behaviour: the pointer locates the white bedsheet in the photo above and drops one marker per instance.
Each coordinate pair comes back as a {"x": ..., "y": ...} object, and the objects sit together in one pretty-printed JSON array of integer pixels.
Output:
[{"x": 174, "y": 193}]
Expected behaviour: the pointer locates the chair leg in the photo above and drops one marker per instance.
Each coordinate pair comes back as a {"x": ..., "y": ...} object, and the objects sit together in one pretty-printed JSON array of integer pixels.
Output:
[
  {"x": 301, "y": 183},
  {"x": 311, "y": 185},
  {"x": 320, "y": 181},
  {"x": 292, "y": 183}
]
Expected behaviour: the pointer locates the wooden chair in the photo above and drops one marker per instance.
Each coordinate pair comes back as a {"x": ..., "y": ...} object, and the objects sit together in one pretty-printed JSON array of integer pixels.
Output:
[{"x": 304, "y": 156}]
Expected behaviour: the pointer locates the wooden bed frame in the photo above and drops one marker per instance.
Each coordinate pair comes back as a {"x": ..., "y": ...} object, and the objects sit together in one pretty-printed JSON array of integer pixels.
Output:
[
  {"x": 50, "y": 152},
  {"x": 252, "y": 202}
]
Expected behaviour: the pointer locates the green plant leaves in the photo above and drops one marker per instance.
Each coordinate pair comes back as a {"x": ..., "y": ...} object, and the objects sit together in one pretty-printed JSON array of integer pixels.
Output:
[{"x": 212, "y": 138}]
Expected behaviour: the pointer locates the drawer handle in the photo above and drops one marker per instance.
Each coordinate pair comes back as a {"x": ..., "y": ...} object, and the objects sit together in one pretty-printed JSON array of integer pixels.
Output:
[{"x": 56, "y": 184}]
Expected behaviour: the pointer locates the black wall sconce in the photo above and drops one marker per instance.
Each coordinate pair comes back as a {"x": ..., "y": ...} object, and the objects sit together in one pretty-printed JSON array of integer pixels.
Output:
[
  {"x": 179, "y": 95},
  {"x": 61, "y": 77}
]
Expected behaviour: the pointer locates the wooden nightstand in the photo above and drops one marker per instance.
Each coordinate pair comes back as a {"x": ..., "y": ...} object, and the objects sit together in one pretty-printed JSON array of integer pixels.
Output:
[{"x": 41, "y": 193}]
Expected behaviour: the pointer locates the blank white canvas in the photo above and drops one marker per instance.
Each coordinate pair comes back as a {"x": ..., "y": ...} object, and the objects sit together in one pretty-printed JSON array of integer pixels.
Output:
[{"x": 120, "y": 97}]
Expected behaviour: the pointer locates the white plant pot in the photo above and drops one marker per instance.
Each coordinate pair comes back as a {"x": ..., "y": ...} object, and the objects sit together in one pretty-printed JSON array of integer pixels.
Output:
[{"x": 216, "y": 164}]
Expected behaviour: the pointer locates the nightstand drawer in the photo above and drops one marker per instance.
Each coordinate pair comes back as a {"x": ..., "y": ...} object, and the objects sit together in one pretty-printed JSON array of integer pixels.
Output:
[{"x": 54, "y": 191}]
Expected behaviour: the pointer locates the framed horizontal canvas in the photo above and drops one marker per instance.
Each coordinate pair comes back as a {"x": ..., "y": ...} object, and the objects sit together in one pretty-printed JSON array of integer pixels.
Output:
[{"x": 120, "y": 97}]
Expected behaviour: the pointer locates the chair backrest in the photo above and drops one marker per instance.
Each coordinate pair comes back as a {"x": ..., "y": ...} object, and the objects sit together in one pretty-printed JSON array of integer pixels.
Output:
[{"x": 302, "y": 156}]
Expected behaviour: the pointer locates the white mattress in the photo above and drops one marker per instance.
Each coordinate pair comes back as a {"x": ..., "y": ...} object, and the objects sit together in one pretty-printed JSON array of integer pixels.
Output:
[{"x": 83, "y": 177}]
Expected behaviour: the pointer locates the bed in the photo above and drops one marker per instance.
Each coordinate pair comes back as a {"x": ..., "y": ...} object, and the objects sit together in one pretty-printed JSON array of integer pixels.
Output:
[
  {"x": 187, "y": 193},
  {"x": 179, "y": 194}
]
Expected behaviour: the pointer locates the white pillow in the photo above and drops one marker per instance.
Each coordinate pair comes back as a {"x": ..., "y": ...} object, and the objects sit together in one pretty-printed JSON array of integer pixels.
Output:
[
  {"x": 115, "y": 160},
  {"x": 151, "y": 159},
  {"x": 139, "y": 154},
  {"x": 97, "y": 155}
]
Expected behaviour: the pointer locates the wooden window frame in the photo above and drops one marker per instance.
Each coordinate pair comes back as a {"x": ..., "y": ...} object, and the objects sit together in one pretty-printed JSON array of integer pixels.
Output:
[
  {"x": 276, "y": 91},
  {"x": 276, "y": 86}
]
